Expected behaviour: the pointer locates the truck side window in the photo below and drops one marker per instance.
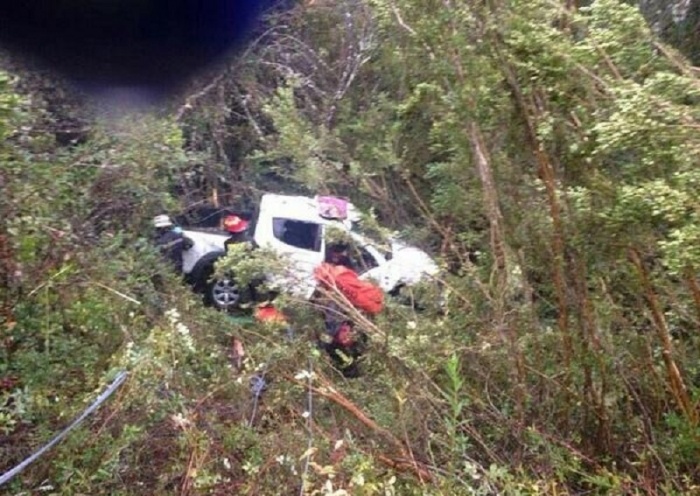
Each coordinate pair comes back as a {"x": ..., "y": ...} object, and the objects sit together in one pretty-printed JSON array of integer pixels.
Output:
[{"x": 300, "y": 234}]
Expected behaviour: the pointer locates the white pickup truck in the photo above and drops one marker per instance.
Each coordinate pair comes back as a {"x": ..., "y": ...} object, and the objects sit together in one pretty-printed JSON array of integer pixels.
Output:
[{"x": 292, "y": 227}]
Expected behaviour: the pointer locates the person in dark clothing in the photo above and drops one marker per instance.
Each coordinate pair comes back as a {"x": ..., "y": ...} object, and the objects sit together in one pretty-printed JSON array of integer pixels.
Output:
[
  {"x": 339, "y": 254},
  {"x": 171, "y": 241},
  {"x": 238, "y": 230},
  {"x": 347, "y": 344},
  {"x": 237, "y": 227},
  {"x": 346, "y": 349}
]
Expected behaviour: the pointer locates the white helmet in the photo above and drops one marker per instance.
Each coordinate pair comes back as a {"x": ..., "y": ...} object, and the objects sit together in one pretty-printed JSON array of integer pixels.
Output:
[{"x": 162, "y": 221}]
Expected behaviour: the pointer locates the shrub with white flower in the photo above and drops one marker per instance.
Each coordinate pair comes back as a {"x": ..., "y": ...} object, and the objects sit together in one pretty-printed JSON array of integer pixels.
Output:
[
  {"x": 181, "y": 330},
  {"x": 304, "y": 374}
]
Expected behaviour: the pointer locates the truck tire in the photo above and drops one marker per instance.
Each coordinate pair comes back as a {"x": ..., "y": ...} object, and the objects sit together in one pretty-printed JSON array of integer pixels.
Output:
[{"x": 223, "y": 294}]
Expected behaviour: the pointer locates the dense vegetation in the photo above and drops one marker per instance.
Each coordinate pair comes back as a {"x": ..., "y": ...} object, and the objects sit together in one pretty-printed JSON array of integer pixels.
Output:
[{"x": 546, "y": 154}]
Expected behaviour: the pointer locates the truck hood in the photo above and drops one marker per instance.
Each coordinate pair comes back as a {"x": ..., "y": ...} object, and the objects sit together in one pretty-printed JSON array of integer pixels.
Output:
[
  {"x": 412, "y": 263},
  {"x": 408, "y": 265}
]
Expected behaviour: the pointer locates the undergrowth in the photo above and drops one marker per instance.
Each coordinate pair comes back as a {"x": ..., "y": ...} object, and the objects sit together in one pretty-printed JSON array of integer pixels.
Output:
[{"x": 547, "y": 155}]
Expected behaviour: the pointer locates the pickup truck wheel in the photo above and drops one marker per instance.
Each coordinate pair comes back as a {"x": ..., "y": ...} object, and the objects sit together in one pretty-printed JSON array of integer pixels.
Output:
[{"x": 223, "y": 294}]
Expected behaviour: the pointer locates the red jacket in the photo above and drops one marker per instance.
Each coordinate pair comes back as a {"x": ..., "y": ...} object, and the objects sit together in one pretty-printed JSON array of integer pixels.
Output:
[{"x": 361, "y": 294}]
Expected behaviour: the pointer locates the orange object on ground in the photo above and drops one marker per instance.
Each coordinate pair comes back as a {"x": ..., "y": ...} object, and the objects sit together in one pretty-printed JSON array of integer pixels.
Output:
[
  {"x": 270, "y": 314},
  {"x": 238, "y": 353},
  {"x": 362, "y": 295}
]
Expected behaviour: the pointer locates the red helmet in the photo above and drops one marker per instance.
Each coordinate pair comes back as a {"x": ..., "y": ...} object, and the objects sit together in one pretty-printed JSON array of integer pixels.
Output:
[{"x": 234, "y": 224}]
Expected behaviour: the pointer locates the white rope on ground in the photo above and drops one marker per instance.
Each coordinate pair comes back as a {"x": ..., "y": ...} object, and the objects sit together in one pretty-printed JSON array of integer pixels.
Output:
[
  {"x": 121, "y": 377},
  {"x": 309, "y": 420}
]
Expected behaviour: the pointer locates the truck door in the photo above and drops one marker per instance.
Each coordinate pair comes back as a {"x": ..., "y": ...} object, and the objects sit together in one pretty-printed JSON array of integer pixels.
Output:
[{"x": 300, "y": 245}]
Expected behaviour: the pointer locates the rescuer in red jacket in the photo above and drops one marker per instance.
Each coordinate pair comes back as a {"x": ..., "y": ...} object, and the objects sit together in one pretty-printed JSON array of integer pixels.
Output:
[{"x": 340, "y": 290}]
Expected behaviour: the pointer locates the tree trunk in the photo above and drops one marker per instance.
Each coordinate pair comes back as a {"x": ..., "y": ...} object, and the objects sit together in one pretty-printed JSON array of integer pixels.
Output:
[{"x": 675, "y": 380}]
